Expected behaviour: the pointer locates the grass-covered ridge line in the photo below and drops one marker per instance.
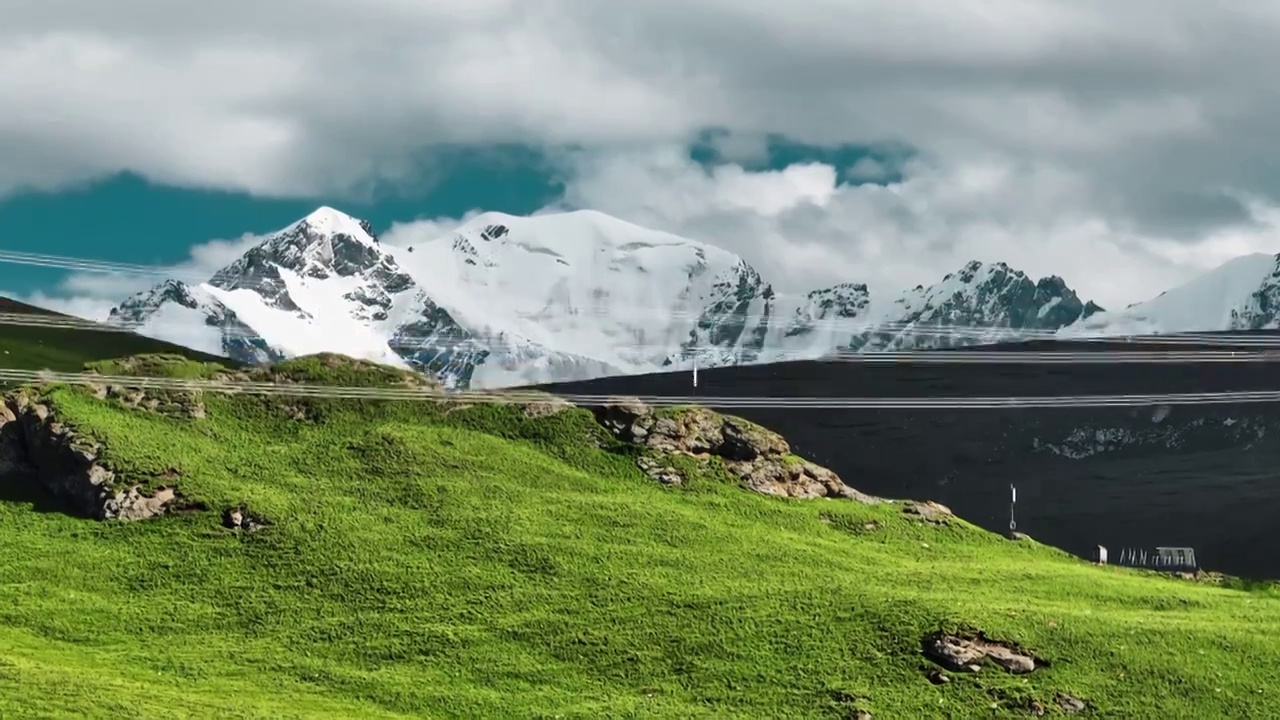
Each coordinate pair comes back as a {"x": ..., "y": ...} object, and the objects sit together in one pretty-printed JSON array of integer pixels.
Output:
[
  {"x": 489, "y": 561},
  {"x": 65, "y": 349}
]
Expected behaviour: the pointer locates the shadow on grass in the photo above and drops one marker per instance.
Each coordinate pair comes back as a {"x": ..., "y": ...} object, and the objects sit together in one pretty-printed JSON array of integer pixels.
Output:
[{"x": 21, "y": 487}]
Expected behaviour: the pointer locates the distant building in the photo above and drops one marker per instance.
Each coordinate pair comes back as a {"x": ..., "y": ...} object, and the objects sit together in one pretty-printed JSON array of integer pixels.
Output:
[{"x": 1176, "y": 557}]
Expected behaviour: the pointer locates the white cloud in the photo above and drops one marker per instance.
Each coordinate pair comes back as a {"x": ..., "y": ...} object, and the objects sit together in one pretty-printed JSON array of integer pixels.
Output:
[
  {"x": 868, "y": 170},
  {"x": 1087, "y": 138},
  {"x": 1147, "y": 101},
  {"x": 403, "y": 234},
  {"x": 803, "y": 229},
  {"x": 92, "y": 295},
  {"x": 86, "y": 305}
]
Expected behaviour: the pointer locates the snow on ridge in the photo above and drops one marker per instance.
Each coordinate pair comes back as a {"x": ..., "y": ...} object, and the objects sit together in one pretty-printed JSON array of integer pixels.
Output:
[
  {"x": 575, "y": 232},
  {"x": 183, "y": 326},
  {"x": 580, "y": 281},
  {"x": 324, "y": 319},
  {"x": 1212, "y": 301},
  {"x": 505, "y": 300}
]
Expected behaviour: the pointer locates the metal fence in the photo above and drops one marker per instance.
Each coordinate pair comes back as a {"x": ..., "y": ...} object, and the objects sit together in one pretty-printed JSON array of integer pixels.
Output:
[{"x": 1170, "y": 559}]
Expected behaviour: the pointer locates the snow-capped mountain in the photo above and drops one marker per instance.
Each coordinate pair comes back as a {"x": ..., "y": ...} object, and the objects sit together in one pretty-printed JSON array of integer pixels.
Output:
[
  {"x": 507, "y": 300},
  {"x": 982, "y": 303},
  {"x": 583, "y": 294},
  {"x": 501, "y": 301},
  {"x": 1241, "y": 294}
]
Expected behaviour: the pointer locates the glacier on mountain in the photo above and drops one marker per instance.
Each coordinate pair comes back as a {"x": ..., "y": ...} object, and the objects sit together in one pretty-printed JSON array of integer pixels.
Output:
[{"x": 506, "y": 300}]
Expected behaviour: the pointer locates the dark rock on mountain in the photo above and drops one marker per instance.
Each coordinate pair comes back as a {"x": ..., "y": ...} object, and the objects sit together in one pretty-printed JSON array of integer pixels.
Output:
[
  {"x": 998, "y": 302},
  {"x": 724, "y": 323},
  {"x": 439, "y": 346},
  {"x": 239, "y": 342},
  {"x": 845, "y": 301}
]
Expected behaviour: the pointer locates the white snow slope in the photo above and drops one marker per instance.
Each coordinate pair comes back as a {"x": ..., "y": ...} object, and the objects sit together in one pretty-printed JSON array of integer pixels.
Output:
[
  {"x": 1241, "y": 294},
  {"x": 507, "y": 300},
  {"x": 580, "y": 284}
]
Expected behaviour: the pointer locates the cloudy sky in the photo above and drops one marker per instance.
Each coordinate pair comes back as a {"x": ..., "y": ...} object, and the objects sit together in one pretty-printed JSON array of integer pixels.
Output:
[{"x": 1123, "y": 144}]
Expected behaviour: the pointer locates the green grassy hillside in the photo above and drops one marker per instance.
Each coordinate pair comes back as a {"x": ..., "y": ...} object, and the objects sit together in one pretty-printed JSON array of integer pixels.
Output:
[{"x": 490, "y": 562}]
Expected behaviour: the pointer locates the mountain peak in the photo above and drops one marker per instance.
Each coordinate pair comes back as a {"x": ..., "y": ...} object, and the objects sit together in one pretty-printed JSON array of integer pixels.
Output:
[
  {"x": 138, "y": 306},
  {"x": 326, "y": 221},
  {"x": 995, "y": 301},
  {"x": 506, "y": 299},
  {"x": 324, "y": 244}
]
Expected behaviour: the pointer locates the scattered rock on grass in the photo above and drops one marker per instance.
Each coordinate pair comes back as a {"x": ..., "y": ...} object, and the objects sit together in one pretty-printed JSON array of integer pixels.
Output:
[
  {"x": 1070, "y": 704},
  {"x": 930, "y": 511},
  {"x": 182, "y": 405},
  {"x": 240, "y": 518},
  {"x": 937, "y": 677},
  {"x": 967, "y": 653}
]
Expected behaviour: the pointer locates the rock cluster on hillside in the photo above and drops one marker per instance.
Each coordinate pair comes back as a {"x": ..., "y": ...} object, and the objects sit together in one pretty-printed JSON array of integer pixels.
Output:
[
  {"x": 35, "y": 446},
  {"x": 760, "y": 458}
]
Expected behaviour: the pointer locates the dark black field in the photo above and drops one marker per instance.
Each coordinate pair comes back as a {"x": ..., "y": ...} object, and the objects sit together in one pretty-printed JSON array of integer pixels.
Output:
[{"x": 1206, "y": 477}]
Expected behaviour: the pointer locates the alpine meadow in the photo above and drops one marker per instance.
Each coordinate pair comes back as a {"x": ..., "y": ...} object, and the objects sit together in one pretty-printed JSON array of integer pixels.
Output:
[{"x": 277, "y": 556}]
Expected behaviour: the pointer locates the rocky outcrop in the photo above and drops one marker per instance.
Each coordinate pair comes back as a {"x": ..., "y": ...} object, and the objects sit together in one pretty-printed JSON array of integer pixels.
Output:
[
  {"x": 968, "y": 652},
  {"x": 175, "y": 404},
  {"x": 36, "y": 448},
  {"x": 759, "y": 458}
]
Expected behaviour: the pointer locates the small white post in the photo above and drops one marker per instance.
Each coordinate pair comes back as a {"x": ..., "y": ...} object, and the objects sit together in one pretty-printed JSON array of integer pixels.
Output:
[
  {"x": 1013, "y": 500},
  {"x": 695, "y": 370}
]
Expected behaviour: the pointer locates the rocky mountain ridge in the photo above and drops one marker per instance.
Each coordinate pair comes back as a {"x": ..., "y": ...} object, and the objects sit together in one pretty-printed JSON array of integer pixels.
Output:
[{"x": 506, "y": 300}]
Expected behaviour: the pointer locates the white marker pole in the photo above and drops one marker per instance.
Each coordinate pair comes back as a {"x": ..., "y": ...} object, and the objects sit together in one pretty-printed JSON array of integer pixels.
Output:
[
  {"x": 1013, "y": 500},
  {"x": 695, "y": 370}
]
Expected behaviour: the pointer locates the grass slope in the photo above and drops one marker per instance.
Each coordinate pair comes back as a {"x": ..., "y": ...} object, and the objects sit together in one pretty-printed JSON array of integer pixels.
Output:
[
  {"x": 67, "y": 349},
  {"x": 475, "y": 562}
]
